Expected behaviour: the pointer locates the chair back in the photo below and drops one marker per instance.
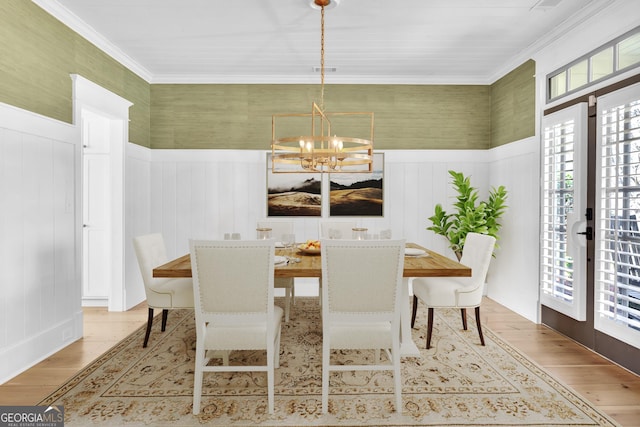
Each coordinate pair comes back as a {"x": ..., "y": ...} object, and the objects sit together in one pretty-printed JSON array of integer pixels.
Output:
[
  {"x": 278, "y": 227},
  {"x": 151, "y": 253},
  {"x": 477, "y": 253},
  {"x": 344, "y": 227},
  {"x": 232, "y": 281},
  {"x": 361, "y": 279}
]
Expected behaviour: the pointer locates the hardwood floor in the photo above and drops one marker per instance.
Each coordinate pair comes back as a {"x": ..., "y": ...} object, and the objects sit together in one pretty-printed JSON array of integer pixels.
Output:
[
  {"x": 611, "y": 388},
  {"x": 102, "y": 330}
]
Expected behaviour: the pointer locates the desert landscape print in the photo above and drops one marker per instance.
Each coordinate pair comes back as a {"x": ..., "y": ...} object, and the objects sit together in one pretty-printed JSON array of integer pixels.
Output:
[{"x": 358, "y": 194}]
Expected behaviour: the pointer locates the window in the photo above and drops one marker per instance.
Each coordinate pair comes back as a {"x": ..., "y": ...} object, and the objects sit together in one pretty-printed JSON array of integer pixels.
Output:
[
  {"x": 558, "y": 84},
  {"x": 629, "y": 51},
  {"x": 612, "y": 58},
  {"x": 601, "y": 64},
  {"x": 578, "y": 75},
  {"x": 563, "y": 251},
  {"x": 617, "y": 267}
]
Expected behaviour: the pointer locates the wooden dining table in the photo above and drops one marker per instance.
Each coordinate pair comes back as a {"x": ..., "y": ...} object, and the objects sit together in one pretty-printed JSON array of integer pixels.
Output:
[{"x": 431, "y": 264}]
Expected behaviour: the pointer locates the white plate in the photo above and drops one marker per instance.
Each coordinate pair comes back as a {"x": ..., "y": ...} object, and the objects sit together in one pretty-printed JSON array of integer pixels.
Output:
[
  {"x": 279, "y": 260},
  {"x": 279, "y": 245},
  {"x": 414, "y": 251}
]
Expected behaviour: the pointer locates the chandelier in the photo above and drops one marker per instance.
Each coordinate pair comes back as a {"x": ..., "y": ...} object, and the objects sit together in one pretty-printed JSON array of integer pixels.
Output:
[{"x": 322, "y": 150}]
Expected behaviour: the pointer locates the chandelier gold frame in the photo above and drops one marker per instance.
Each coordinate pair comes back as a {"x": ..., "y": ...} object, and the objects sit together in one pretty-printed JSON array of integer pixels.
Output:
[{"x": 321, "y": 150}]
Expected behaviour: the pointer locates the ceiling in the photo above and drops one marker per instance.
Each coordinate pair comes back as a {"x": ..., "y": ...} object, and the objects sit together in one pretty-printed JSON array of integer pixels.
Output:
[{"x": 278, "y": 41}]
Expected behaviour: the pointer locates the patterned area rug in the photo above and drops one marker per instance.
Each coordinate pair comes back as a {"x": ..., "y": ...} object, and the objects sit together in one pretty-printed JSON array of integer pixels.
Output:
[{"x": 457, "y": 382}]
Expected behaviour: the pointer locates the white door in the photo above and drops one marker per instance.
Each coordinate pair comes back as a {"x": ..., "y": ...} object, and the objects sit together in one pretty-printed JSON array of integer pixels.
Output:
[
  {"x": 563, "y": 243},
  {"x": 617, "y": 275},
  {"x": 96, "y": 209}
]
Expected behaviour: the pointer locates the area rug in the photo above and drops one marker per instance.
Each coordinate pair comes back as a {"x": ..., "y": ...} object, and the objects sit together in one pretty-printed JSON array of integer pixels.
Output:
[{"x": 457, "y": 382}]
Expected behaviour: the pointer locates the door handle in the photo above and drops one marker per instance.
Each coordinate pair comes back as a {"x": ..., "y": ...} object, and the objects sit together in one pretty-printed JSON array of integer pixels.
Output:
[{"x": 588, "y": 233}]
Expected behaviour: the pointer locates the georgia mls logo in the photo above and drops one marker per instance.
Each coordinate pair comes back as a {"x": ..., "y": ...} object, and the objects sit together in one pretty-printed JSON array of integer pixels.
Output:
[{"x": 31, "y": 416}]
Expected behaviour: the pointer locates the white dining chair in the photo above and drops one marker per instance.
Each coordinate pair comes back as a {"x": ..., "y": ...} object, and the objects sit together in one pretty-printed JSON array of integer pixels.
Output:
[
  {"x": 343, "y": 227},
  {"x": 161, "y": 293},
  {"x": 278, "y": 229},
  {"x": 334, "y": 229},
  {"x": 457, "y": 292},
  {"x": 233, "y": 289},
  {"x": 361, "y": 305}
]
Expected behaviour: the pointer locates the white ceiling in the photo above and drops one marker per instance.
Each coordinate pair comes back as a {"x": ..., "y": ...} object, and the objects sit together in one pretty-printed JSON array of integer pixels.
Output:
[{"x": 278, "y": 41}]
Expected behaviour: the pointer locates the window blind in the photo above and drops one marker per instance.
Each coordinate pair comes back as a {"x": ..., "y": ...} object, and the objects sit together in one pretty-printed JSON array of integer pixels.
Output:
[
  {"x": 617, "y": 267},
  {"x": 562, "y": 281}
]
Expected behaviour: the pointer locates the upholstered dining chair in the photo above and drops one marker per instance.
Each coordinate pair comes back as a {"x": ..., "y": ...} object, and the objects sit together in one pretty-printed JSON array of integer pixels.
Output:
[
  {"x": 361, "y": 305},
  {"x": 162, "y": 293},
  {"x": 344, "y": 229},
  {"x": 233, "y": 290},
  {"x": 457, "y": 292},
  {"x": 278, "y": 229},
  {"x": 332, "y": 229}
]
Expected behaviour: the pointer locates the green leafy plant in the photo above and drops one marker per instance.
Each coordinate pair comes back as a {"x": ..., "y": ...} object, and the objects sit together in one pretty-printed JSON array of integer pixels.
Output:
[{"x": 470, "y": 216}]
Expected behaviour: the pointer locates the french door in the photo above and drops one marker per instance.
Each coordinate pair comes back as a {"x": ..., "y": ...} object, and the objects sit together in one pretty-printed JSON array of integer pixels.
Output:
[
  {"x": 590, "y": 208},
  {"x": 564, "y": 207},
  {"x": 617, "y": 266}
]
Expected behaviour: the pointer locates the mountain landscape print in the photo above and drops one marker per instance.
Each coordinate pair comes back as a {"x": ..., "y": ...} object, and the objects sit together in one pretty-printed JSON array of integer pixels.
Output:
[
  {"x": 358, "y": 194},
  {"x": 294, "y": 194}
]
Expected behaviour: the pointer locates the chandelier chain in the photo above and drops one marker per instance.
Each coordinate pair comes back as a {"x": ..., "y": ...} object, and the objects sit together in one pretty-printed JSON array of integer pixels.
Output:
[
  {"x": 319, "y": 152},
  {"x": 322, "y": 58}
]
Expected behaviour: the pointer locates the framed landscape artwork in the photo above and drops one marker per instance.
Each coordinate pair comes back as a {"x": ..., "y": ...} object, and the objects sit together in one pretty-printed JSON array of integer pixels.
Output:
[
  {"x": 293, "y": 194},
  {"x": 358, "y": 194}
]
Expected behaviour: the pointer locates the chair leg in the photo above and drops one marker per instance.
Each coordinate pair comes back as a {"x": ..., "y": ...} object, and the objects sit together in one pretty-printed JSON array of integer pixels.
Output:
[
  {"x": 271, "y": 380},
  {"x": 479, "y": 326},
  {"x": 165, "y": 313},
  {"x": 149, "y": 323},
  {"x": 197, "y": 377},
  {"x": 326, "y": 362},
  {"x": 415, "y": 310},
  {"x": 463, "y": 311},
  {"x": 429, "y": 326},
  {"x": 293, "y": 293},
  {"x": 287, "y": 303}
]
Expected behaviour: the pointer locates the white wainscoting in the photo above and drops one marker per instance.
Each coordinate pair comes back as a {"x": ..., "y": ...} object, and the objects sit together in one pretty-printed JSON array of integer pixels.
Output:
[
  {"x": 205, "y": 193},
  {"x": 137, "y": 208},
  {"x": 40, "y": 308},
  {"x": 514, "y": 274}
]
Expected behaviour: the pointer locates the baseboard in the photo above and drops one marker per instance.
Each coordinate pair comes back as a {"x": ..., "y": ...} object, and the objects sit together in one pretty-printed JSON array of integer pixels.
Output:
[
  {"x": 95, "y": 302},
  {"x": 38, "y": 347}
]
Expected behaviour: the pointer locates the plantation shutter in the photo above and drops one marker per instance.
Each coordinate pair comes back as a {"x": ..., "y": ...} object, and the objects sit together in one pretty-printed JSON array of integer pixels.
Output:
[
  {"x": 564, "y": 173},
  {"x": 617, "y": 268}
]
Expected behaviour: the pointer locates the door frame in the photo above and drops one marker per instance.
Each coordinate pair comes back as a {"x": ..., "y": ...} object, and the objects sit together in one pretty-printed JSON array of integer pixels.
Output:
[
  {"x": 88, "y": 95},
  {"x": 584, "y": 332}
]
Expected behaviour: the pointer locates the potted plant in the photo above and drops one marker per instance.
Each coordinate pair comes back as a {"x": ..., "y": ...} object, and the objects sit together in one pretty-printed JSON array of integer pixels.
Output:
[{"x": 470, "y": 216}]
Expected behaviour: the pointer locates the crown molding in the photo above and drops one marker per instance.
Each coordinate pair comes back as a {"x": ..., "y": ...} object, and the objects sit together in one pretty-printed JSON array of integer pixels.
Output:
[
  {"x": 62, "y": 14},
  {"x": 596, "y": 7},
  {"x": 305, "y": 79}
]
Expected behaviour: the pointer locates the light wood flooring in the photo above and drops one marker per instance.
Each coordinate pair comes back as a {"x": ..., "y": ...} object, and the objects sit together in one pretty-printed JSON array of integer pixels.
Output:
[{"x": 609, "y": 387}]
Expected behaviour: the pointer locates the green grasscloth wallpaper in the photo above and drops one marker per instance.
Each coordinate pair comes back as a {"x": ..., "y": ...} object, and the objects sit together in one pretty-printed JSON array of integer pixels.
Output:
[
  {"x": 239, "y": 116},
  {"x": 513, "y": 113},
  {"x": 37, "y": 54}
]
